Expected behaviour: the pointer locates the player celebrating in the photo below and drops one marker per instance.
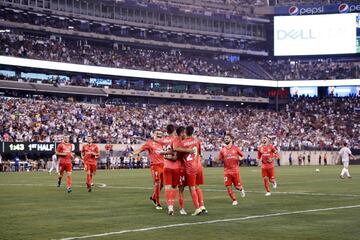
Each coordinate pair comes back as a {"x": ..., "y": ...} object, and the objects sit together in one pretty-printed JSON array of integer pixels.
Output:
[
  {"x": 267, "y": 154},
  {"x": 231, "y": 155},
  {"x": 54, "y": 164},
  {"x": 154, "y": 149},
  {"x": 178, "y": 156},
  {"x": 345, "y": 155},
  {"x": 89, "y": 153},
  {"x": 191, "y": 147},
  {"x": 64, "y": 152},
  {"x": 171, "y": 168}
]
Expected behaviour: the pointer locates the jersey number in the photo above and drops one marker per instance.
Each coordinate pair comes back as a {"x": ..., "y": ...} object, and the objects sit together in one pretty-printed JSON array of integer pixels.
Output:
[{"x": 193, "y": 155}]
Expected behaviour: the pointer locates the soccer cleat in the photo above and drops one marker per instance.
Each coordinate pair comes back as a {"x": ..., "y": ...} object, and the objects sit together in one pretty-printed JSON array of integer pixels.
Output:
[
  {"x": 197, "y": 212},
  {"x": 183, "y": 212},
  {"x": 242, "y": 193},
  {"x": 69, "y": 190},
  {"x": 274, "y": 184},
  {"x": 171, "y": 210},
  {"x": 234, "y": 203},
  {"x": 203, "y": 210},
  {"x": 349, "y": 176},
  {"x": 267, "y": 194},
  {"x": 153, "y": 201},
  {"x": 342, "y": 177},
  {"x": 159, "y": 207}
]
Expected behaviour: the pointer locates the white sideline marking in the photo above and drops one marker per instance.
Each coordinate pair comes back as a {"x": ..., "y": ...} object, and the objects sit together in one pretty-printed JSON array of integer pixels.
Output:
[
  {"x": 103, "y": 185},
  {"x": 209, "y": 222}
]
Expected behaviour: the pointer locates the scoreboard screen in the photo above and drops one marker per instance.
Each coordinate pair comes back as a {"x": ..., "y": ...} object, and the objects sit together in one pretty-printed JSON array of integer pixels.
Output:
[{"x": 317, "y": 34}]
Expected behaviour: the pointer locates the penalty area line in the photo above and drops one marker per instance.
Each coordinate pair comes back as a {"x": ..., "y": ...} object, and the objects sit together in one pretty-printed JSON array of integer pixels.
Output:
[{"x": 210, "y": 222}]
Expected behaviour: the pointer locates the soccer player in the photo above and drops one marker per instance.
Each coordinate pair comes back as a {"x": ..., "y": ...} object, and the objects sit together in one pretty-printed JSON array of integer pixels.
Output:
[
  {"x": 345, "y": 155},
  {"x": 54, "y": 164},
  {"x": 65, "y": 155},
  {"x": 154, "y": 148},
  {"x": 171, "y": 168},
  {"x": 231, "y": 155},
  {"x": 267, "y": 154},
  {"x": 89, "y": 153},
  {"x": 191, "y": 149},
  {"x": 178, "y": 156}
]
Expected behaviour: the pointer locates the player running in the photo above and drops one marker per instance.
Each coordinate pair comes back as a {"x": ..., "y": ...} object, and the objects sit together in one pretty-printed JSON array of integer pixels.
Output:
[
  {"x": 191, "y": 148},
  {"x": 154, "y": 149},
  {"x": 54, "y": 164},
  {"x": 171, "y": 168},
  {"x": 345, "y": 155},
  {"x": 89, "y": 153},
  {"x": 65, "y": 155},
  {"x": 231, "y": 155},
  {"x": 267, "y": 154}
]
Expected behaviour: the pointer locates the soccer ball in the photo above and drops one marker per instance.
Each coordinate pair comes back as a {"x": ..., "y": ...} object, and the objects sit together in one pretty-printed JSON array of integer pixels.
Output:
[{"x": 317, "y": 170}]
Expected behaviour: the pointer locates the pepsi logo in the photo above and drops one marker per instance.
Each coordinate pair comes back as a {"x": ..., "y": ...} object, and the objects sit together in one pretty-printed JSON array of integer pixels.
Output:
[
  {"x": 343, "y": 8},
  {"x": 293, "y": 10}
]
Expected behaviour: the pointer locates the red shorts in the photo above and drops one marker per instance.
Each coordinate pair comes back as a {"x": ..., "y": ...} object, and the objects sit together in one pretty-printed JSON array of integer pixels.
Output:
[
  {"x": 195, "y": 179},
  {"x": 90, "y": 167},
  {"x": 171, "y": 176},
  {"x": 157, "y": 172},
  {"x": 268, "y": 172},
  {"x": 182, "y": 178},
  {"x": 232, "y": 178},
  {"x": 65, "y": 167}
]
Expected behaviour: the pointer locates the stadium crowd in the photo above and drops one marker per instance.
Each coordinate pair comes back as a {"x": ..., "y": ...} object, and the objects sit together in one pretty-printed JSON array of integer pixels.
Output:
[
  {"x": 311, "y": 69},
  {"x": 175, "y": 61},
  {"x": 115, "y": 56},
  {"x": 304, "y": 124}
]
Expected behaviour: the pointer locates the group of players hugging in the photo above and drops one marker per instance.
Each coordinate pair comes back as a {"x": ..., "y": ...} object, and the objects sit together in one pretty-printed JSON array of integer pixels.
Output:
[{"x": 175, "y": 162}]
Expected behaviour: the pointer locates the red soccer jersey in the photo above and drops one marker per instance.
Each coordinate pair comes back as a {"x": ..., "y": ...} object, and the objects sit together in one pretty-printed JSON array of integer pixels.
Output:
[
  {"x": 191, "y": 161},
  {"x": 230, "y": 157},
  {"x": 167, "y": 143},
  {"x": 64, "y": 148},
  {"x": 154, "y": 148},
  {"x": 265, "y": 153},
  {"x": 87, "y": 149}
]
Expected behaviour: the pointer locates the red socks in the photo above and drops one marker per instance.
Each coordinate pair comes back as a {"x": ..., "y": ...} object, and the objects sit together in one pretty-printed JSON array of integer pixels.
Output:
[
  {"x": 88, "y": 180},
  {"x": 167, "y": 196},
  {"x": 195, "y": 198},
  {"x": 266, "y": 184},
  {"x": 69, "y": 181},
  {"x": 200, "y": 197},
  {"x": 231, "y": 194},
  {"x": 170, "y": 195},
  {"x": 181, "y": 199},
  {"x": 157, "y": 193}
]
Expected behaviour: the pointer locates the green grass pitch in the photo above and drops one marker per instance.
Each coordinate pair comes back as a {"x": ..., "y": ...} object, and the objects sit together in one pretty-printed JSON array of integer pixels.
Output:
[{"x": 32, "y": 207}]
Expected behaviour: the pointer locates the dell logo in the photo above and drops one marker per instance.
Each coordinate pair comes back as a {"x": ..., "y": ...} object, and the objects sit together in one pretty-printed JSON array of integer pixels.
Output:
[{"x": 296, "y": 34}]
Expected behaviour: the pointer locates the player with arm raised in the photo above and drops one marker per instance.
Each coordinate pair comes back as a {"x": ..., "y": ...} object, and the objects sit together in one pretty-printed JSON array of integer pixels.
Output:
[
  {"x": 231, "y": 155},
  {"x": 65, "y": 155},
  {"x": 191, "y": 149},
  {"x": 89, "y": 153},
  {"x": 154, "y": 149},
  {"x": 345, "y": 155},
  {"x": 267, "y": 154}
]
